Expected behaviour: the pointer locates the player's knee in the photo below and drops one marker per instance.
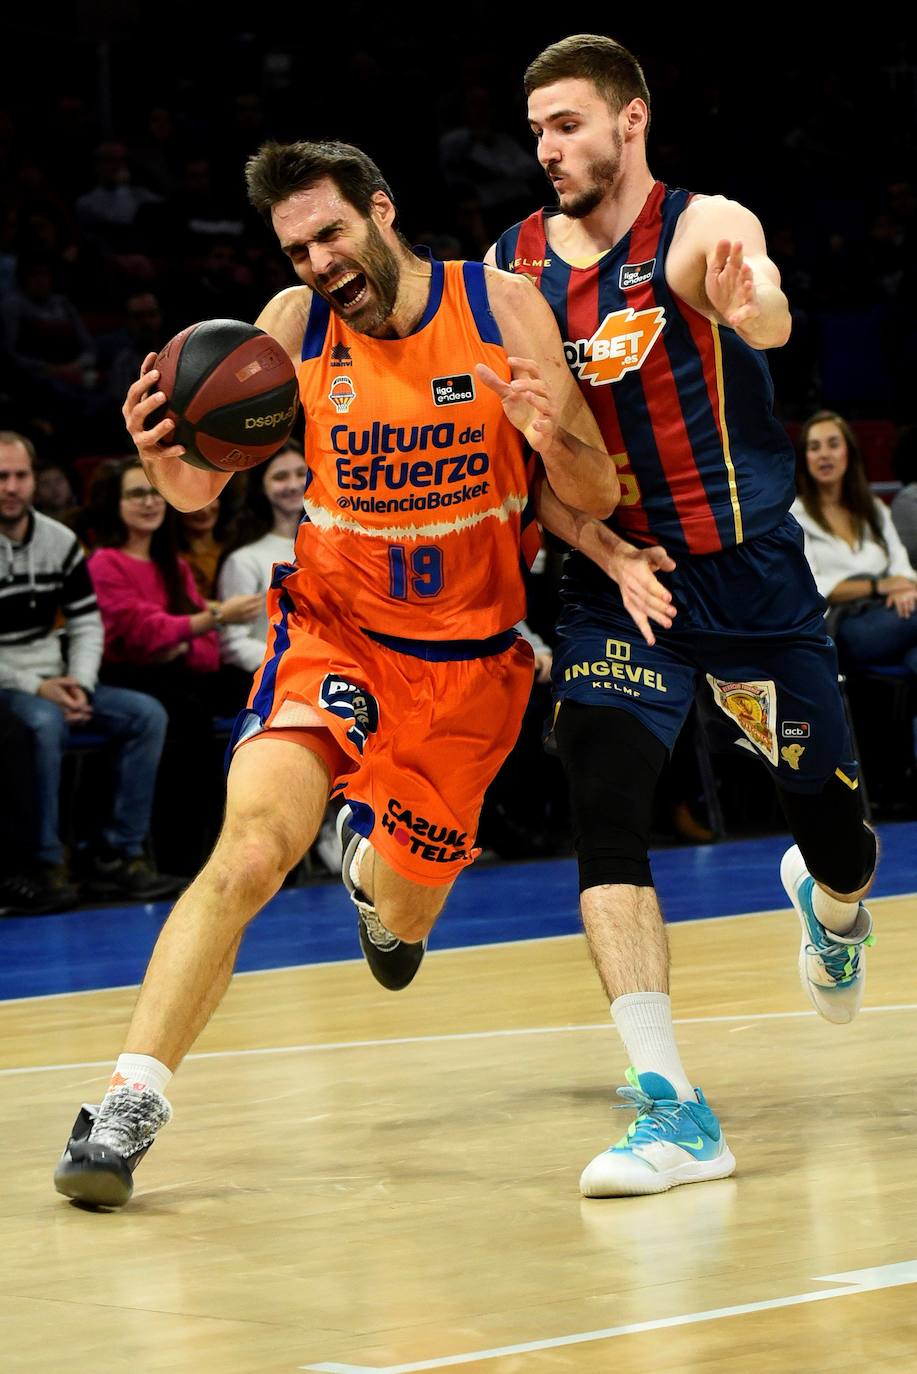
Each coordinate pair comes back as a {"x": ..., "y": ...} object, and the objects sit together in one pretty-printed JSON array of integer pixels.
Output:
[
  {"x": 612, "y": 763},
  {"x": 255, "y": 853},
  {"x": 838, "y": 847}
]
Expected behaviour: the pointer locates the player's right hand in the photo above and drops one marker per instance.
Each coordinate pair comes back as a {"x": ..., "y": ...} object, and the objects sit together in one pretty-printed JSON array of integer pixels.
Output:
[
  {"x": 634, "y": 569},
  {"x": 141, "y": 400}
]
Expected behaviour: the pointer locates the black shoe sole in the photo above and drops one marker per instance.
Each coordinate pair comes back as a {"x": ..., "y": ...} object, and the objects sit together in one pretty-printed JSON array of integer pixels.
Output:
[
  {"x": 102, "y": 1183},
  {"x": 39, "y": 909},
  {"x": 95, "y": 1175}
]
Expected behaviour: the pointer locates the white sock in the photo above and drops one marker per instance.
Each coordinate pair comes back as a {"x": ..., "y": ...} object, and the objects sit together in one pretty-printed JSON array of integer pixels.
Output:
[
  {"x": 356, "y": 861},
  {"x": 644, "y": 1023},
  {"x": 139, "y": 1071},
  {"x": 836, "y": 916}
]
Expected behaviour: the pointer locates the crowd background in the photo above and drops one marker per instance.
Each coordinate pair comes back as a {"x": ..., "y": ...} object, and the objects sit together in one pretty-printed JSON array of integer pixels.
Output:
[{"x": 123, "y": 218}]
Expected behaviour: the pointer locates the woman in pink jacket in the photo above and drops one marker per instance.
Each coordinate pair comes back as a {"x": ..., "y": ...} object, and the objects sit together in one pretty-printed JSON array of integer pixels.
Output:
[{"x": 161, "y": 638}]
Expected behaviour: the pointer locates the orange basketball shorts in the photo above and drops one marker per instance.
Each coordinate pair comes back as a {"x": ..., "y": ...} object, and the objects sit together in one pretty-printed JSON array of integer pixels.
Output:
[{"x": 411, "y": 745}]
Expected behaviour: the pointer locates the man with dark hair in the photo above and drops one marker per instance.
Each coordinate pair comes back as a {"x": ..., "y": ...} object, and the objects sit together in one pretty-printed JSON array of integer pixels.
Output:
[
  {"x": 666, "y": 301},
  {"x": 281, "y": 169},
  {"x": 391, "y": 632},
  {"x": 50, "y": 683}
]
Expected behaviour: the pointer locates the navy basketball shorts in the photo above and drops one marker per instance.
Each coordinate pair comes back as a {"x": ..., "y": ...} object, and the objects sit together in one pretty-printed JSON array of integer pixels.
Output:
[{"x": 750, "y": 622}]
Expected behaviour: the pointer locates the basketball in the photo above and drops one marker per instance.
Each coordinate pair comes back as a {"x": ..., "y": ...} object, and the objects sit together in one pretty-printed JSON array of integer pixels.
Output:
[{"x": 231, "y": 391}]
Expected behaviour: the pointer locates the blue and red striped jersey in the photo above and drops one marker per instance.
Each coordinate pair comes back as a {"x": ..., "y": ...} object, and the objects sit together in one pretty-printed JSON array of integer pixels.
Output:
[{"x": 684, "y": 405}]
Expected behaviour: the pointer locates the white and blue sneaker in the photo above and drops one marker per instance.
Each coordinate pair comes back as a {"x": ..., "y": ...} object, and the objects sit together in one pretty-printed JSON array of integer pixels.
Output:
[
  {"x": 670, "y": 1142},
  {"x": 832, "y": 968}
]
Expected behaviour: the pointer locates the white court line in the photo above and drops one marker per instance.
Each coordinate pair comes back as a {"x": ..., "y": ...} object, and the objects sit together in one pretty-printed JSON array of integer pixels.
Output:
[
  {"x": 855, "y": 1281},
  {"x": 434, "y": 953},
  {"x": 318, "y": 1048}
]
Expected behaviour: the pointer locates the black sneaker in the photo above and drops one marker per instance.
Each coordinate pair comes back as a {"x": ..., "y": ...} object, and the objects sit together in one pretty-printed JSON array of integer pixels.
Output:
[
  {"x": 99, "y": 1172},
  {"x": 32, "y": 894},
  {"x": 60, "y": 886},
  {"x": 131, "y": 877},
  {"x": 392, "y": 962}
]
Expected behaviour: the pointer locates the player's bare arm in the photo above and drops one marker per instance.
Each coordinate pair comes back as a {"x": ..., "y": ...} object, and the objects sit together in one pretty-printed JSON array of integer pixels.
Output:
[
  {"x": 543, "y": 401},
  {"x": 644, "y": 596},
  {"x": 718, "y": 263},
  {"x": 184, "y": 487}
]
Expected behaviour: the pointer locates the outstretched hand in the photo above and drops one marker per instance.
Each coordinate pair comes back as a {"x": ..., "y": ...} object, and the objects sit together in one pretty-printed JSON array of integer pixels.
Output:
[
  {"x": 730, "y": 285},
  {"x": 525, "y": 401}
]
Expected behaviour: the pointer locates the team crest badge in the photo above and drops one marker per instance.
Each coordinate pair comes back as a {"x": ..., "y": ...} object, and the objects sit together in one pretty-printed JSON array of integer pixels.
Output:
[
  {"x": 622, "y": 343},
  {"x": 753, "y": 707},
  {"x": 342, "y": 394}
]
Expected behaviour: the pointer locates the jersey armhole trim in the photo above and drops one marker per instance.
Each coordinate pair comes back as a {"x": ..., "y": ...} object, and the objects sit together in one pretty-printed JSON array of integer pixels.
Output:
[
  {"x": 316, "y": 327},
  {"x": 474, "y": 274}
]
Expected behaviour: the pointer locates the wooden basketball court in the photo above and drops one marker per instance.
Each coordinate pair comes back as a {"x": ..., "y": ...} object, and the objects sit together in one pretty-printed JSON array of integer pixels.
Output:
[{"x": 359, "y": 1181}]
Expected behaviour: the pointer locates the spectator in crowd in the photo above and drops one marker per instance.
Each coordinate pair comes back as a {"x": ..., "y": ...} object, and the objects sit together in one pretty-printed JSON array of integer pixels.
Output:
[
  {"x": 202, "y": 539},
  {"x": 156, "y": 152},
  {"x": 110, "y": 207},
  {"x": 51, "y": 684},
  {"x": 904, "y": 506},
  {"x": 217, "y": 285},
  {"x": 860, "y": 564},
  {"x": 126, "y": 349},
  {"x": 54, "y": 494},
  {"x": 191, "y": 218},
  {"x": 479, "y": 155},
  {"x": 261, "y": 535},
  {"x": 44, "y": 336},
  {"x": 160, "y": 634}
]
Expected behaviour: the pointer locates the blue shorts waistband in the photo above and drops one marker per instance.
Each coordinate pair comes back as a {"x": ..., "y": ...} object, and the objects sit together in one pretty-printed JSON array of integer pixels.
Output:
[{"x": 446, "y": 650}]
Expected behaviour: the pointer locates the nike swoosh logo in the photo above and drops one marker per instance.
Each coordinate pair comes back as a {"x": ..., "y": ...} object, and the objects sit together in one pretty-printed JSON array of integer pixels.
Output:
[{"x": 692, "y": 1144}]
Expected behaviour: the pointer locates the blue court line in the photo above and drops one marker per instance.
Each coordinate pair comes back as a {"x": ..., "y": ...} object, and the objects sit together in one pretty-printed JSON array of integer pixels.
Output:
[{"x": 109, "y": 947}]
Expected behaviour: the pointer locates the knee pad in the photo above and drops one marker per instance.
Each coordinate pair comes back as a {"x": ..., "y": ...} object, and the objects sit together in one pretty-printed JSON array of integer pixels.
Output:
[
  {"x": 612, "y": 763},
  {"x": 838, "y": 847}
]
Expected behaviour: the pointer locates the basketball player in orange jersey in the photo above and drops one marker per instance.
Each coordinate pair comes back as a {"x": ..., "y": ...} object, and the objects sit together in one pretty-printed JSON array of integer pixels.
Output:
[
  {"x": 665, "y": 301},
  {"x": 392, "y": 675}
]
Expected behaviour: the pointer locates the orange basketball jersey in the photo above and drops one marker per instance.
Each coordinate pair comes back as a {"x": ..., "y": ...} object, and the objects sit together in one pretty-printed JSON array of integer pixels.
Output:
[{"x": 416, "y": 508}]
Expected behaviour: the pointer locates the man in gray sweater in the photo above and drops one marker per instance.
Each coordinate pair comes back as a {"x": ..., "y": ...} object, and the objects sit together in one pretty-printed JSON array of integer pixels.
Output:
[{"x": 49, "y": 680}]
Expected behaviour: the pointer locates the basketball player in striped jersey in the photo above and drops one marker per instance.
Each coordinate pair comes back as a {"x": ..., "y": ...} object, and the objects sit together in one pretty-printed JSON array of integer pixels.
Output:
[
  {"x": 392, "y": 675},
  {"x": 666, "y": 302}
]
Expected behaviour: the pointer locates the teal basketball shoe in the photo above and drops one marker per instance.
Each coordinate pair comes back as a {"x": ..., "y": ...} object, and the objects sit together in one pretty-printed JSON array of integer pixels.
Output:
[
  {"x": 832, "y": 968},
  {"x": 670, "y": 1142}
]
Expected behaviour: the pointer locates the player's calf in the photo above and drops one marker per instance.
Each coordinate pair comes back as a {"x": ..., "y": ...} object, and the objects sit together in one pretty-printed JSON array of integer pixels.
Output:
[{"x": 393, "y": 961}]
